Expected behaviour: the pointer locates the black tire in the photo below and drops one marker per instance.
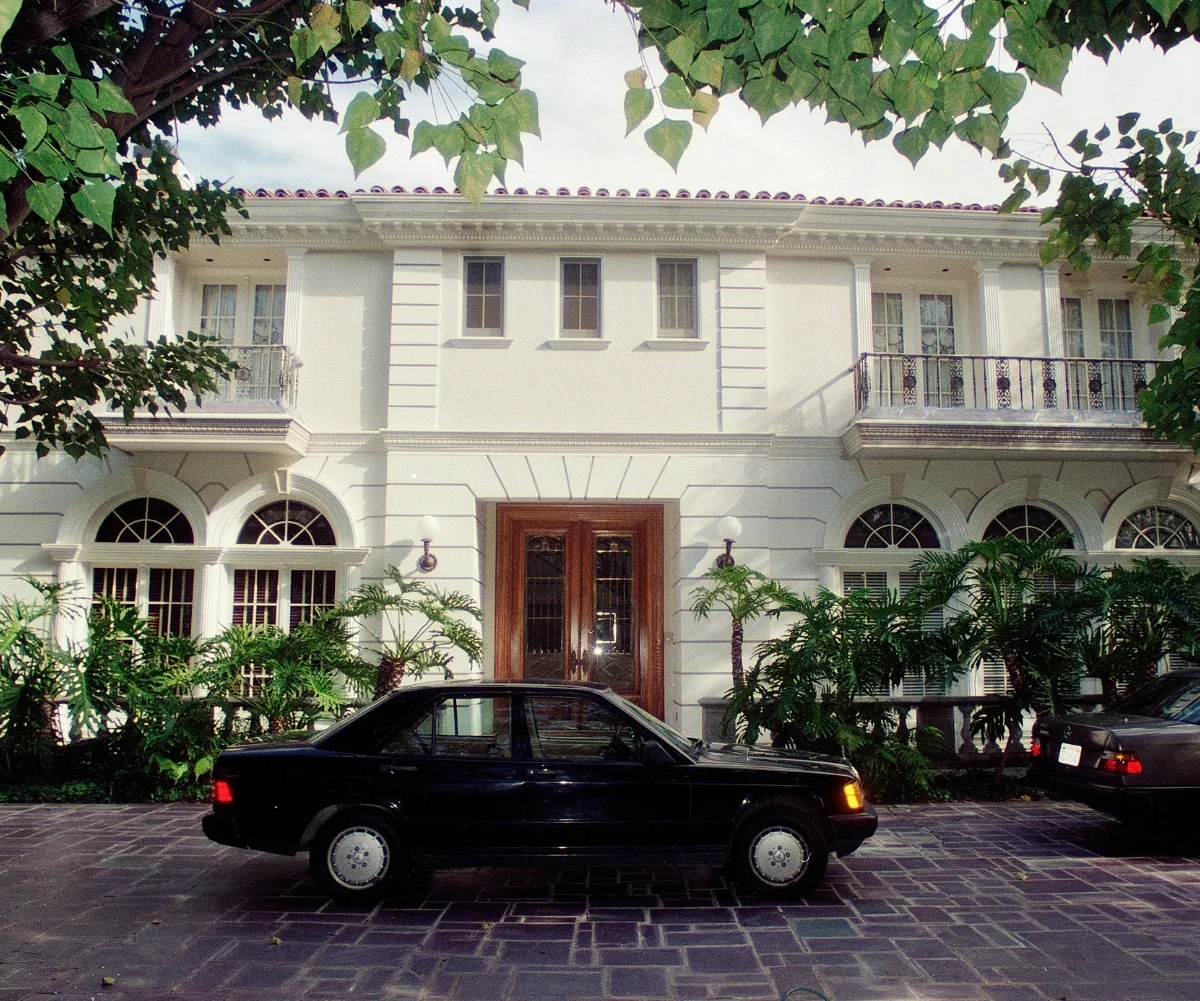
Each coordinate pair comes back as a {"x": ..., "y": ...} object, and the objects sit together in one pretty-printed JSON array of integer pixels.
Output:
[
  {"x": 355, "y": 857},
  {"x": 781, "y": 853}
]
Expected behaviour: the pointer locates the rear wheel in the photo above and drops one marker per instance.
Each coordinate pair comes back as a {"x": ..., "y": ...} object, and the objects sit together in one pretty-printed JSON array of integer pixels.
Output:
[
  {"x": 355, "y": 856},
  {"x": 781, "y": 853}
]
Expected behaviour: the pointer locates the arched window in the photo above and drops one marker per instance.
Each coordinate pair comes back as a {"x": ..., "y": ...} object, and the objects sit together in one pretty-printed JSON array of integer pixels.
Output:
[
  {"x": 892, "y": 526},
  {"x": 1157, "y": 528},
  {"x": 287, "y": 521},
  {"x": 1029, "y": 524},
  {"x": 291, "y": 596},
  {"x": 165, "y": 595}
]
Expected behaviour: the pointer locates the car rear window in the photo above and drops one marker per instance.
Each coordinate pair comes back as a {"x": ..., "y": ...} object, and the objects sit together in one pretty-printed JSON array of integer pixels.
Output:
[{"x": 1164, "y": 698}]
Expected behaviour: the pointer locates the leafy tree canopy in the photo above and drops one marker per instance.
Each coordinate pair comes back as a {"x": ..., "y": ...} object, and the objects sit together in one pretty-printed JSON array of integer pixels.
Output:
[{"x": 85, "y": 84}]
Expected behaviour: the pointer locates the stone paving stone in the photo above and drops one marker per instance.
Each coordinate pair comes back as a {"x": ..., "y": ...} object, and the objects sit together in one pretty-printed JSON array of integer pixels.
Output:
[{"x": 929, "y": 910}]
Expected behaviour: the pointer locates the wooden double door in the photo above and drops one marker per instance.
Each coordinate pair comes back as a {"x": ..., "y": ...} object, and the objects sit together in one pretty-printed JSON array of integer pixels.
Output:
[{"x": 579, "y": 596}]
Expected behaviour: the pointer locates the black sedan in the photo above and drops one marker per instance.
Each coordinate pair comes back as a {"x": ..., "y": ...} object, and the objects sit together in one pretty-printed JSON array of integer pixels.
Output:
[
  {"x": 480, "y": 773},
  {"x": 1139, "y": 760}
]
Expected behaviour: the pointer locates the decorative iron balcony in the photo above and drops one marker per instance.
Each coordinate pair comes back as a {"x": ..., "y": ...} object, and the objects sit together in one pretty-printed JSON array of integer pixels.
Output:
[
  {"x": 982, "y": 382},
  {"x": 266, "y": 373}
]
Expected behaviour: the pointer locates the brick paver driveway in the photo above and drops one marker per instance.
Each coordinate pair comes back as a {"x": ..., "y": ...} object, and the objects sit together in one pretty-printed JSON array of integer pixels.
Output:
[{"x": 964, "y": 903}]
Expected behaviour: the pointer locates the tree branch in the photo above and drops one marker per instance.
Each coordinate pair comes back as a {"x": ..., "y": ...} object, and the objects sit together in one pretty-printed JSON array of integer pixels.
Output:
[
  {"x": 9, "y": 359},
  {"x": 41, "y": 20}
]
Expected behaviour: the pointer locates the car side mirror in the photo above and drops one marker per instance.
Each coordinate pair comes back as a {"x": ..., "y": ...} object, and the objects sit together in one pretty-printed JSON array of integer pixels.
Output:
[{"x": 653, "y": 753}]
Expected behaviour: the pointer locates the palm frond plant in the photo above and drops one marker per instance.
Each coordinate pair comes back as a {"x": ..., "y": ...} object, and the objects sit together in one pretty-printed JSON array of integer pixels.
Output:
[
  {"x": 746, "y": 595},
  {"x": 422, "y": 627},
  {"x": 32, "y": 672},
  {"x": 1021, "y": 604}
]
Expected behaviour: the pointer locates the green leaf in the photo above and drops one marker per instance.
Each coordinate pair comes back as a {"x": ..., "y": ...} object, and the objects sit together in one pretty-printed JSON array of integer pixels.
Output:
[
  {"x": 364, "y": 147},
  {"x": 33, "y": 124},
  {"x": 1052, "y": 65},
  {"x": 638, "y": 105},
  {"x": 112, "y": 98},
  {"x": 681, "y": 50},
  {"x": 304, "y": 45},
  {"x": 669, "y": 138},
  {"x": 913, "y": 143},
  {"x": 358, "y": 13},
  {"x": 390, "y": 45},
  {"x": 85, "y": 91},
  {"x": 909, "y": 90},
  {"x": 523, "y": 106},
  {"x": 473, "y": 174},
  {"x": 1040, "y": 178},
  {"x": 97, "y": 161},
  {"x": 328, "y": 37},
  {"x": 897, "y": 42},
  {"x": 725, "y": 22},
  {"x": 1127, "y": 121},
  {"x": 675, "y": 93},
  {"x": 708, "y": 67},
  {"x": 1004, "y": 89},
  {"x": 450, "y": 141},
  {"x": 773, "y": 28},
  {"x": 1015, "y": 200},
  {"x": 1079, "y": 143},
  {"x": 66, "y": 55},
  {"x": 503, "y": 66},
  {"x": 767, "y": 95},
  {"x": 363, "y": 110},
  {"x": 81, "y": 128},
  {"x": 95, "y": 202},
  {"x": 8, "y": 13},
  {"x": 1165, "y": 8},
  {"x": 45, "y": 198},
  {"x": 960, "y": 93},
  {"x": 489, "y": 13},
  {"x": 635, "y": 78},
  {"x": 1159, "y": 313},
  {"x": 423, "y": 137},
  {"x": 707, "y": 110},
  {"x": 46, "y": 84}
]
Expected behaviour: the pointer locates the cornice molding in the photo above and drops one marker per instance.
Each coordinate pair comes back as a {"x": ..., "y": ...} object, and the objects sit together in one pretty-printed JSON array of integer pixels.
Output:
[
  {"x": 140, "y": 554},
  {"x": 218, "y": 433}
]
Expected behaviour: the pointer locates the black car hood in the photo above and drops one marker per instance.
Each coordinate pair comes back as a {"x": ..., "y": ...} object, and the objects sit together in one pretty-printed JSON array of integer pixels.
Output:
[{"x": 744, "y": 756}]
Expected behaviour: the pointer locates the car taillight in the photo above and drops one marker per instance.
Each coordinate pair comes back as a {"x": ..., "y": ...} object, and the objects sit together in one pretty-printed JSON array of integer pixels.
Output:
[
  {"x": 222, "y": 792},
  {"x": 1119, "y": 763},
  {"x": 854, "y": 796},
  {"x": 1035, "y": 749}
]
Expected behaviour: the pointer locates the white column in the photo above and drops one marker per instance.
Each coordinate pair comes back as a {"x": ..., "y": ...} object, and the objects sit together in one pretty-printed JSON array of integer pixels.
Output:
[
  {"x": 863, "y": 319},
  {"x": 159, "y": 319},
  {"x": 211, "y": 614},
  {"x": 989, "y": 308},
  {"x": 1052, "y": 311},
  {"x": 72, "y": 629},
  {"x": 294, "y": 298}
]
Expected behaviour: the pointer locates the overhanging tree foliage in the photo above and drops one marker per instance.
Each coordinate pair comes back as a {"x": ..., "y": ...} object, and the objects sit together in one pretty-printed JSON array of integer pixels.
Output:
[{"x": 83, "y": 80}]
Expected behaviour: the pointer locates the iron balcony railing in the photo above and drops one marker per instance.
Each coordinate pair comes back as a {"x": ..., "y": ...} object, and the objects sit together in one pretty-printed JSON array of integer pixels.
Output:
[
  {"x": 985, "y": 382},
  {"x": 266, "y": 373}
]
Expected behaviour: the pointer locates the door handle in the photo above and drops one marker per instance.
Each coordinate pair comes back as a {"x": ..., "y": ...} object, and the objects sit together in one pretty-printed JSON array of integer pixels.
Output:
[
  {"x": 543, "y": 772},
  {"x": 397, "y": 768}
]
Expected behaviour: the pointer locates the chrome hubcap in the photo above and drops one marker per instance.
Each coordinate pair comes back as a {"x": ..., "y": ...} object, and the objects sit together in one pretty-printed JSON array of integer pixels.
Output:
[
  {"x": 779, "y": 856},
  {"x": 359, "y": 857}
]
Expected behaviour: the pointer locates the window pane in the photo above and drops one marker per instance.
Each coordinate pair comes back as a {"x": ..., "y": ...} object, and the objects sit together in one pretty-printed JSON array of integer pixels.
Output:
[
  {"x": 612, "y": 653},
  {"x": 312, "y": 592},
  {"x": 218, "y": 310},
  {"x": 268, "y": 314},
  {"x": 473, "y": 728},
  {"x": 1116, "y": 330},
  {"x": 545, "y": 606},
  {"x": 412, "y": 739},
  {"x": 677, "y": 298},
  {"x": 937, "y": 324},
  {"x": 888, "y": 322},
  {"x": 483, "y": 282},
  {"x": 581, "y": 295},
  {"x": 576, "y": 728},
  {"x": 1072, "y": 327},
  {"x": 116, "y": 583},
  {"x": 255, "y": 597},
  {"x": 172, "y": 595}
]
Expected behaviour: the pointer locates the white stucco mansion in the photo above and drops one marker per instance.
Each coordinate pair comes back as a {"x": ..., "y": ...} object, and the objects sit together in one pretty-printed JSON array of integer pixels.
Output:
[{"x": 578, "y": 387}]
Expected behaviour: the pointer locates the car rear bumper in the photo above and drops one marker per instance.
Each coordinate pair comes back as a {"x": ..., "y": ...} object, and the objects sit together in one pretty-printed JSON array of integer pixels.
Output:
[
  {"x": 223, "y": 830},
  {"x": 851, "y": 829},
  {"x": 1115, "y": 800}
]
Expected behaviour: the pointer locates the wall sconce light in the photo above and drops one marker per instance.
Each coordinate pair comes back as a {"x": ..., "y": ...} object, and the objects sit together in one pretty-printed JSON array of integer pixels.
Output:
[
  {"x": 429, "y": 532},
  {"x": 731, "y": 531}
]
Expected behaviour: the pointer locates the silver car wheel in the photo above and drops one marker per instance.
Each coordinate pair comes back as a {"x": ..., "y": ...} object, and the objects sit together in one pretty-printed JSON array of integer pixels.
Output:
[
  {"x": 779, "y": 856},
  {"x": 359, "y": 857}
]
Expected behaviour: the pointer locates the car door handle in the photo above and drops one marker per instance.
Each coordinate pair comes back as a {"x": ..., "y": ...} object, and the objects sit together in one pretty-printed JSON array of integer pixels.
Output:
[
  {"x": 392, "y": 769},
  {"x": 542, "y": 772}
]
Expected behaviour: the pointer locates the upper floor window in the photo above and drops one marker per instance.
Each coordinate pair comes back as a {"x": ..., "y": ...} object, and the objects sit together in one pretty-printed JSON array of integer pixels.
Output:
[
  {"x": 1028, "y": 523},
  {"x": 937, "y": 324},
  {"x": 892, "y": 526},
  {"x": 1157, "y": 528},
  {"x": 164, "y": 595},
  {"x": 1116, "y": 328},
  {"x": 887, "y": 321},
  {"x": 250, "y": 314},
  {"x": 677, "y": 298},
  {"x": 1072, "y": 327},
  {"x": 580, "y": 297},
  {"x": 483, "y": 279},
  {"x": 287, "y": 521}
]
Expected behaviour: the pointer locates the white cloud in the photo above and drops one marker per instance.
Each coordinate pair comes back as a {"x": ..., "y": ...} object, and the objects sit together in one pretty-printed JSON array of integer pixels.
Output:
[{"x": 576, "y": 57}]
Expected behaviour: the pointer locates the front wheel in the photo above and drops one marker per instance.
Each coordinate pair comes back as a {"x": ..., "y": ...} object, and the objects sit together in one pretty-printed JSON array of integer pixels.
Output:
[
  {"x": 355, "y": 856},
  {"x": 781, "y": 853}
]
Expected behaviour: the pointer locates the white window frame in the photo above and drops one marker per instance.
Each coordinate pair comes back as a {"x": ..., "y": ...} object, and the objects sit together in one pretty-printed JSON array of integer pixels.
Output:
[
  {"x": 965, "y": 318},
  {"x": 677, "y": 333},
  {"x": 492, "y": 332},
  {"x": 570, "y": 333},
  {"x": 243, "y": 325},
  {"x": 1144, "y": 348}
]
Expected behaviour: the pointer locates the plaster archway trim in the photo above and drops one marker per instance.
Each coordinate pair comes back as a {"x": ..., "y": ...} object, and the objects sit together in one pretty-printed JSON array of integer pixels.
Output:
[
  {"x": 244, "y": 498},
  {"x": 1162, "y": 492},
  {"x": 945, "y": 516},
  {"x": 83, "y": 516},
  {"x": 1071, "y": 508}
]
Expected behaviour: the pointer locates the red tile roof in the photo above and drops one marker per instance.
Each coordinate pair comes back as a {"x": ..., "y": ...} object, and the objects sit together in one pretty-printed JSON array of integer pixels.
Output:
[{"x": 781, "y": 196}]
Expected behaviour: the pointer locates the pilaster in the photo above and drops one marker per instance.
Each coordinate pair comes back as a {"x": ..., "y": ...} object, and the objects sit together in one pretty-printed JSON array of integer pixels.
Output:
[
  {"x": 415, "y": 333},
  {"x": 863, "y": 320},
  {"x": 989, "y": 308},
  {"x": 293, "y": 303},
  {"x": 159, "y": 321},
  {"x": 1052, "y": 312},
  {"x": 742, "y": 341}
]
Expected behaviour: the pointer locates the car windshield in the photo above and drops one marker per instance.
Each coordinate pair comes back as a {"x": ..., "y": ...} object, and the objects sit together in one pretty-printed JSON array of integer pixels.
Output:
[
  {"x": 1164, "y": 698},
  {"x": 657, "y": 726}
]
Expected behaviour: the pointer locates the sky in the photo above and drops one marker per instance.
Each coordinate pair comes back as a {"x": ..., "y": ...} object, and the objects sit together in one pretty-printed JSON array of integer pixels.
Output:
[{"x": 577, "y": 52}]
